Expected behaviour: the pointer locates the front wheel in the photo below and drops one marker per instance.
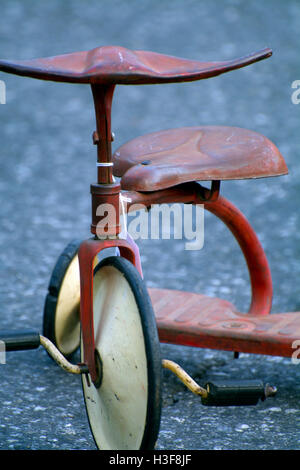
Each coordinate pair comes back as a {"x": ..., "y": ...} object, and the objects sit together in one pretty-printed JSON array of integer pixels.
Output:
[{"x": 124, "y": 409}]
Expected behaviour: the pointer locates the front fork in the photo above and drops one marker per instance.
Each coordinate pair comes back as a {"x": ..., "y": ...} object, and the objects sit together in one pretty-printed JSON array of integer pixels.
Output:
[{"x": 86, "y": 255}]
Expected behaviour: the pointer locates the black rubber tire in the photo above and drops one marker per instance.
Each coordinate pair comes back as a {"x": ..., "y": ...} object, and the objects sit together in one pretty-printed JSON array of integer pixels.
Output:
[{"x": 151, "y": 347}]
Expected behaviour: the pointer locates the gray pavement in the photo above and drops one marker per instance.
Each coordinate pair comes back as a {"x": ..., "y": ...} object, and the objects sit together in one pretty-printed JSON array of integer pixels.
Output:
[{"x": 47, "y": 164}]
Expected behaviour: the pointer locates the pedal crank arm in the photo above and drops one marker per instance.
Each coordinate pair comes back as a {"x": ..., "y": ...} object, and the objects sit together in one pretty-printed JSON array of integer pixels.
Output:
[{"x": 25, "y": 340}]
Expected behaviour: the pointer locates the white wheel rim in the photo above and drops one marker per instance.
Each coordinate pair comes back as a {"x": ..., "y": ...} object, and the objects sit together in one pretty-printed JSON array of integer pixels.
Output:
[
  {"x": 67, "y": 323},
  {"x": 117, "y": 410}
]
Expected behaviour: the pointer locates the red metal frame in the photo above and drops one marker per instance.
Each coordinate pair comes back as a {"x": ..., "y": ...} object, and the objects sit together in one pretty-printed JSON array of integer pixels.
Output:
[
  {"x": 259, "y": 271},
  {"x": 86, "y": 254},
  {"x": 195, "y": 320}
]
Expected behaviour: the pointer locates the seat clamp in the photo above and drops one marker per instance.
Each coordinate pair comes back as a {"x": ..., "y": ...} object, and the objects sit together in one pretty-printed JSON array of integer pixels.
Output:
[{"x": 100, "y": 164}]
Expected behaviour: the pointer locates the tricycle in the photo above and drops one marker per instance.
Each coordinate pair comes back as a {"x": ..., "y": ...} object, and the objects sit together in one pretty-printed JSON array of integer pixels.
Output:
[{"x": 104, "y": 307}]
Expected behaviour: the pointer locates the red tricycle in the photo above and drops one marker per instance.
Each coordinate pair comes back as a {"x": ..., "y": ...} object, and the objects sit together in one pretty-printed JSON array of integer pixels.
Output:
[{"x": 104, "y": 307}]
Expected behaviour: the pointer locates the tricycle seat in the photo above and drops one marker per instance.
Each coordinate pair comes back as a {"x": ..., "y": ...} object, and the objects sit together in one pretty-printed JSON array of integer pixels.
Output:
[
  {"x": 167, "y": 158},
  {"x": 118, "y": 65}
]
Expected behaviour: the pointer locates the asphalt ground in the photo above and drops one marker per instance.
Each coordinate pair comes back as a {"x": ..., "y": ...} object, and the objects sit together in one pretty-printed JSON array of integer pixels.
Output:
[{"x": 47, "y": 164}]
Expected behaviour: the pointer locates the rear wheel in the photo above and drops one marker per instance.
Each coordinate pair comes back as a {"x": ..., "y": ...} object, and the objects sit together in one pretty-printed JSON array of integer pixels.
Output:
[
  {"x": 124, "y": 409},
  {"x": 61, "y": 322}
]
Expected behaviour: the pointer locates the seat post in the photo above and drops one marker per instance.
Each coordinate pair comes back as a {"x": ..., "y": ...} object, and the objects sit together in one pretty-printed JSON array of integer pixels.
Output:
[
  {"x": 106, "y": 192},
  {"x": 102, "y": 137}
]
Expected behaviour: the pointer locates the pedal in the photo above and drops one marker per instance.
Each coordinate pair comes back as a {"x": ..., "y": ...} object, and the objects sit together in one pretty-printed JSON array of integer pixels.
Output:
[
  {"x": 20, "y": 340},
  {"x": 236, "y": 393}
]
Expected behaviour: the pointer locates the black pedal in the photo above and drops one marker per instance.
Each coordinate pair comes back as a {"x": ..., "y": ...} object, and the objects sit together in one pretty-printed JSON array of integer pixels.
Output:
[
  {"x": 236, "y": 393},
  {"x": 20, "y": 340}
]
